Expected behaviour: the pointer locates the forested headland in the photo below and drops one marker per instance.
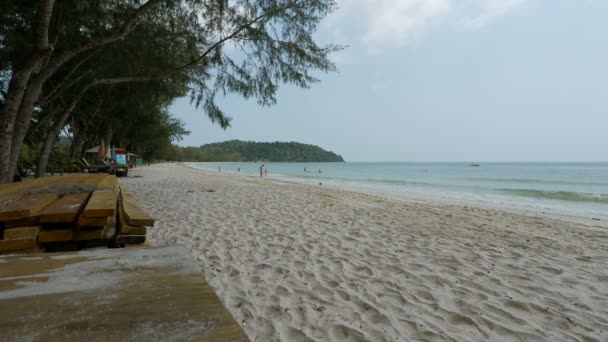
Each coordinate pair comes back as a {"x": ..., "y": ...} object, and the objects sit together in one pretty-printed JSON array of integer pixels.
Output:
[
  {"x": 249, "y": 151},
  {"x": 106, "y": 72}
]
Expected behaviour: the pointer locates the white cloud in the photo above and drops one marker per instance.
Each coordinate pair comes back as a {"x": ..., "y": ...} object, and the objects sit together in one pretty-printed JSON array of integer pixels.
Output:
[
  {"x": 491, "y": 9},
  {"x": 395, "y": 23}
]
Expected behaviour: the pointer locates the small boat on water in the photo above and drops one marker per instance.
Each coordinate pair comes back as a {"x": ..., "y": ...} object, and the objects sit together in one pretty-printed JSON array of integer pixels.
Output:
[{"x": 474, "y": 164}]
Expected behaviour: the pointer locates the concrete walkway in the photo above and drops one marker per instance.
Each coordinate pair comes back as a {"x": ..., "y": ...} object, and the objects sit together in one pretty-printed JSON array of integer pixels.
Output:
[{"x": 130, "y": 294}]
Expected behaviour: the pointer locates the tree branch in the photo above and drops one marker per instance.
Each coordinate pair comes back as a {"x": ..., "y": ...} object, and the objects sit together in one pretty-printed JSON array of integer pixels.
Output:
[
  {"x": 55, "y": 92},
  {"x": 234, "y": 34},
  {"x": 127, "y": 26}
]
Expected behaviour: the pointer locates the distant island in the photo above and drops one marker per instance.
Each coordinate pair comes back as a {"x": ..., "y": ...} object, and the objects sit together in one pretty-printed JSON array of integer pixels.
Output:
[{"x": 250, "y": 151}]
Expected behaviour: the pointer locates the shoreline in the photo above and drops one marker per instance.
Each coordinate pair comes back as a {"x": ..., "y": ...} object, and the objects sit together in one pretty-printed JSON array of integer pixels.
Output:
[
  {"x": 293, "y": 262},
  {"x": 589, "y": 221}
]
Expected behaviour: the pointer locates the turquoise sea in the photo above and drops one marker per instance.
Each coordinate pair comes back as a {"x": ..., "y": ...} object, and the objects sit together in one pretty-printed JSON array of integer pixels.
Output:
[{"x": 577, "y": 190}]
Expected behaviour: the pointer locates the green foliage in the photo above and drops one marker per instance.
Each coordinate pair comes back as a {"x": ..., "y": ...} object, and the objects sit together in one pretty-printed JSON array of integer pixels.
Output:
[
  {"x": 200, "y": 48},
  {"x": 27, "y": 160},
  {"x": 60, "y": 161},
  {"x": 236, "y": 150}
]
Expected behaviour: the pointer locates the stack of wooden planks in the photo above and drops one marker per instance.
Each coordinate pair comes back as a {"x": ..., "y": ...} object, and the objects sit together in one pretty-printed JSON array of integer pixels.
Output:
[{"x": 72, "y": 211}]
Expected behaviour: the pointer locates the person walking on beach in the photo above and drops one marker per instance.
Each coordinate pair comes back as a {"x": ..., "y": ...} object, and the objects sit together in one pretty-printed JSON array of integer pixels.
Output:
[{"x": 262, "y": 171}]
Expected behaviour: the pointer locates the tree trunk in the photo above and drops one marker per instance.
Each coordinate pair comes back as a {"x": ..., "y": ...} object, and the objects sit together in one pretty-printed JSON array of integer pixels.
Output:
[
  {"x": 79, "y": 146},
  {"x": 80, "y": 129},
  {"x": 17, "y": 87},
  {"x": 77, "y": 141},
  {"x": 45, "y": 152},
  {"x": 45, "y": 149},
  {"x": 22, "y": 121},
  {"x": 7, "y": 119}
]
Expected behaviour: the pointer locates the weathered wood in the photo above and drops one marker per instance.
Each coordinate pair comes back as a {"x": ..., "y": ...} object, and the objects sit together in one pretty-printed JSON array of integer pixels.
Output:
[
  {"x": 21, "y": 233},
  {"x": 55, "y": 235},
  {"x": 92, "y": 221},
  {"x": 130, "y": 239},
  {"x": 20, "y": 187},
  {"x": 134, "y": 215},
  {"x": 97, "y": 234},
  {"x": 17, "y": 245},
  {"x": 132, "y": 230},
  {"x": 26, "y": 206},
  {"x": 124, "y": 227},
  {"x": 26, "y": 222},
  {"x": 109, "y": 183},
  {"x": 101, "y": 204},
  {"x": 65, "y": 209}
]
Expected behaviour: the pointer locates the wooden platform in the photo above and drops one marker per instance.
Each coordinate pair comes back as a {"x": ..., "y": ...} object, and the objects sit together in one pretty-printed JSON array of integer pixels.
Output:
[
  {"x": 129, "y": 294},
  {"x": 69, "y": 212}
]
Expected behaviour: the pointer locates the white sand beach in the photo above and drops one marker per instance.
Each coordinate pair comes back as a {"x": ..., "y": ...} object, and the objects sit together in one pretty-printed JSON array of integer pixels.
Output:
[{"x": 302, "y": 263}]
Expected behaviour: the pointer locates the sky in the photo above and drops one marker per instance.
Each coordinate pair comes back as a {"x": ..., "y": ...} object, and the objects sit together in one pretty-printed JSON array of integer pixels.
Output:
[{"x": 444, "y": 80}]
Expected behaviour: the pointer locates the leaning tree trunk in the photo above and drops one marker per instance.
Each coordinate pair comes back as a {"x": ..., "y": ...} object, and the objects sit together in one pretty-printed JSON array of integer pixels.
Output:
[
  {"x": 47, "y": 145},
  {"x": 79, "y": 147},
  {"x": 22, "y": 122},
  {"x": 77, "y": 142},
  {"x": 7, "y": 120},
  {"x": 80, "y": 128},
  {"x": 17, "y": 87}
]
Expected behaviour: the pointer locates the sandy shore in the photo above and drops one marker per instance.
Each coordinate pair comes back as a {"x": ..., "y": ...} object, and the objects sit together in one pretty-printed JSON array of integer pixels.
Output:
[{"x": 298, "y": 263}]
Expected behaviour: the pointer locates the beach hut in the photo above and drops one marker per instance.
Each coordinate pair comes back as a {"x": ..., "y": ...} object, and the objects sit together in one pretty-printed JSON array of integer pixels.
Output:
[
  {"x": 120, "y": 155},
  {"x": 95, "y": 154}
]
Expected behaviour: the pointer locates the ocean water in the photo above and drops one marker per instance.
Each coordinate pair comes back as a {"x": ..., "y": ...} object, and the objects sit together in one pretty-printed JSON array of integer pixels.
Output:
[{"x": 578, "y": 190}]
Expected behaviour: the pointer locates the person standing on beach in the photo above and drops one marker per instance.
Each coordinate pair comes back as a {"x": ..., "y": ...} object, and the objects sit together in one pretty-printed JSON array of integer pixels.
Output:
[{"x": 262, "y": 171}]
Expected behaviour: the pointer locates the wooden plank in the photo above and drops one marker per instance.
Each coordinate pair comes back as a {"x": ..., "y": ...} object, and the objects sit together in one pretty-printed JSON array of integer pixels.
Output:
[
  {"x": 9, "y": 210},
  {"x": 76, "y": 183},
  {"x": 134, "y": 215},
  {"x": 26, "y": 222},
  {"x": 109, "y": 183},
  {"x": 101, "y": 204},
  {"x": 20, "y": 187},
  {"x": 65, "y": 209},
  {"x": 27, "y": 206},
  {"x": 132, "y": 230},
  {"x": 124, "y": 227},
  {"x": 89, "y": 234},
  {"x": 21, "y": 233},
  {"x": 17, "y": 245},
  {"x": 92, "y": 221},
  {"x": 56, "y": 235},
  {"x": 130, "y": 239}
]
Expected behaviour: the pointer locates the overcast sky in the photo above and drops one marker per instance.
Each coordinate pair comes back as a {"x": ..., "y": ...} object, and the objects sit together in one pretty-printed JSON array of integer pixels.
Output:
[{"x": 445, "y": 80}]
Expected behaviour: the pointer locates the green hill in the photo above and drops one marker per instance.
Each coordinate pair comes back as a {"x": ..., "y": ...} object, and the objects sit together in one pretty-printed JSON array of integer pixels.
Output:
[{"x": 236, "y": 150}]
